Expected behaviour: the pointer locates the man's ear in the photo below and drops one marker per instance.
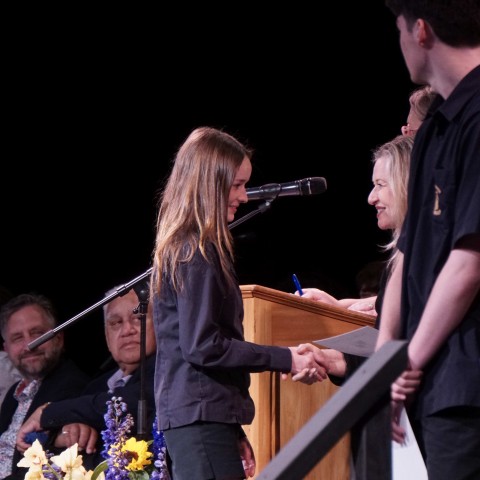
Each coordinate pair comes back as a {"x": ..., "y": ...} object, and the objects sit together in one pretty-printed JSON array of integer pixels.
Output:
[{"x": 423, "y": 33}]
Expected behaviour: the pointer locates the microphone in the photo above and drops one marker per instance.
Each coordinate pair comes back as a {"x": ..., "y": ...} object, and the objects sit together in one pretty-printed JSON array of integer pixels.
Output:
[{"x": 270, "y": 191}]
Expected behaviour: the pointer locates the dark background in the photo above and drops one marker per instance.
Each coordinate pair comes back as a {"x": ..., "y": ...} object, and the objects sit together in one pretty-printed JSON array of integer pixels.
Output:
[{"x": 98, "y": 102}]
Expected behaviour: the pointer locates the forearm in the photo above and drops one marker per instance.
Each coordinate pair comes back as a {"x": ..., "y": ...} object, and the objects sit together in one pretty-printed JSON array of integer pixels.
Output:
[
  {"x": 454, "y": 291},
  {"x": 364, "y": 305},
  {"x": 88, "y": 409},
  {"x": 31, "y": 424},
  {"x": 390, "y": 315},
  {"x": 333, "y": 360},
  {"x": 324, "y": 297},
  {"x": 347, "y": 302}
]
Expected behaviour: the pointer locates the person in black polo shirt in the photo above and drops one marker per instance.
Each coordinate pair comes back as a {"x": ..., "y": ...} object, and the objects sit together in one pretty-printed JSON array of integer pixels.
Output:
[{"x": 432, "y": 298}]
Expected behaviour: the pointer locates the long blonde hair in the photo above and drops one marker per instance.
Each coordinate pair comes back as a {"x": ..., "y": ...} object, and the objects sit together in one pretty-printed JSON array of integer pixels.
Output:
[
  {"x": 193, "y": 206},
  {"x": 397, "y": 154}
]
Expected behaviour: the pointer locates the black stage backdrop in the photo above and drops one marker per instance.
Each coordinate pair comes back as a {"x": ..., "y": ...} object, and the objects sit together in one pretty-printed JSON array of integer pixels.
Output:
[{"x": 98, "y": 102}]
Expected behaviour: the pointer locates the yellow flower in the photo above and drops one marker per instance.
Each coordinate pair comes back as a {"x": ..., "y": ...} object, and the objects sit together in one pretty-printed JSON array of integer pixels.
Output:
[
  {"x": 71, "y": 463},
  {"x": 34, "y": 458},
  {"x": 138, "y": 454}
]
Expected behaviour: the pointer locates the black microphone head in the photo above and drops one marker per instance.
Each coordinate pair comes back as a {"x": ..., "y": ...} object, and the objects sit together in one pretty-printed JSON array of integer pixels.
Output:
[
  {"x": 270, "y": 191},
  {"x": 312, "y": 186}
]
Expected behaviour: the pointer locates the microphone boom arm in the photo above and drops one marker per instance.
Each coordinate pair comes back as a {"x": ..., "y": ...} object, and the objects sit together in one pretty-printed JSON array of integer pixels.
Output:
[
  {"x": 124, "y": 289},
  {"x": 261, "y": 209}
]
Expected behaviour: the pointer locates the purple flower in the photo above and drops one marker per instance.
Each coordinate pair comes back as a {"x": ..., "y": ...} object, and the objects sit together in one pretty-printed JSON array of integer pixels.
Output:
[{"x": 119, "y": 424}]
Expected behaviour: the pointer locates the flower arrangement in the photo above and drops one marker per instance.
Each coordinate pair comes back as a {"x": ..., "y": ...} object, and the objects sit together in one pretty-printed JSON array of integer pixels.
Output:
[
  {"x": 66, "y": 465},
  {"x": 126, "y": 458}
]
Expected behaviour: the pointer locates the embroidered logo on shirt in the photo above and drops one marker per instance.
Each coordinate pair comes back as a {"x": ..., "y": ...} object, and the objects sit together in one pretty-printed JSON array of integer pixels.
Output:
[{"x": 436, "y": 208}]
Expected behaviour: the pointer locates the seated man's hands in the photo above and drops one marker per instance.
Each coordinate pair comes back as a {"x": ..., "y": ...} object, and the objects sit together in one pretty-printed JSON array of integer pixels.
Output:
[
  {"x": 32, "y": 424},
  {"x": 85, "y": 436}
]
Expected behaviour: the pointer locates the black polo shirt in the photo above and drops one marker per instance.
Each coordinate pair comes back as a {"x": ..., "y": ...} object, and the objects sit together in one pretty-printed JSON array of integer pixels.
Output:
[{"x": 443, "y": 207}]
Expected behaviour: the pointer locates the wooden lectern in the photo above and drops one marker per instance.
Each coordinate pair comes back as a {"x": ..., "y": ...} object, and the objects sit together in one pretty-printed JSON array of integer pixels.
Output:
[{"x": 282, "y": 407}]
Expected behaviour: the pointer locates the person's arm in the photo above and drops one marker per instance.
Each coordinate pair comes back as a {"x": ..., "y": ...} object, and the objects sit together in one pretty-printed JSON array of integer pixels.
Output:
[
  {"x": 390, "y": 324},
  {"x": 331, "y": 362},
  {"x": 364, "y": 305},
  {"x": 453, "y": 293},
  {"x": 319, "y": 296},
  {"x": 324, "y": 297},
  {"x": 86, "y": 409},
  {"x": 32, "y": 424},
  {"x": 211, "y": 330},
  {"x": 456, "y": 287},
  {"x": 90, "y": 408}
]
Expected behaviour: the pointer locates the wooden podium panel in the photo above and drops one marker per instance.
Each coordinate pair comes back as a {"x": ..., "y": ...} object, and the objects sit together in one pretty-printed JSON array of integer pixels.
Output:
[{"x": 282, "y": 407}]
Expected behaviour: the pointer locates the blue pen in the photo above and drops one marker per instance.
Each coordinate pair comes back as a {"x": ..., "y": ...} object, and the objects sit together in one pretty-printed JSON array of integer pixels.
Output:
[{"x": 297, "y": 284}]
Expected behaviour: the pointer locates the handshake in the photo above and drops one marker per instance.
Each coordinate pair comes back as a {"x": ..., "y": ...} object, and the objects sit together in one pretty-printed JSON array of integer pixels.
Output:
[{"x": 311, "y": 364}]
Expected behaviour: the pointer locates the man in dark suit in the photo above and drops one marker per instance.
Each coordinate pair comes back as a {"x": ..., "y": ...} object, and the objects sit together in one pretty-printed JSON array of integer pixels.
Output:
[
  {"x": 81, "y": 419},
  {"x": 46, "y": 374}
]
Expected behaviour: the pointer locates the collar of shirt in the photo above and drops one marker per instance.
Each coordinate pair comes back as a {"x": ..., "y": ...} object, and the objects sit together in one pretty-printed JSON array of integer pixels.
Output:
[
  {"x": 117, "y": 380},
  {"x": 26, "y": 391}
]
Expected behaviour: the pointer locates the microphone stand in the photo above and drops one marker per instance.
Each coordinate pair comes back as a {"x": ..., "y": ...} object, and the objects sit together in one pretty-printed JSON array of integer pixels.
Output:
[
  {"x": 142, "y": 291},
  {"x": 119, "y": 292},
  {"x": 260, "y": 209}
]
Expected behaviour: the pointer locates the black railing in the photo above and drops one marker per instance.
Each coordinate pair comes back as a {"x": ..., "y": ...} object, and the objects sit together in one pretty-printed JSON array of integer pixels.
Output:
[{"x": 368, "y": 387}]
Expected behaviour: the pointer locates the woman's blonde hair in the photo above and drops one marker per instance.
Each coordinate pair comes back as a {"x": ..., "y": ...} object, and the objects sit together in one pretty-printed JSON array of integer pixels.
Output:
[
  {"x": 420, "y": 100},
  {"x": 396, "y": 153}
]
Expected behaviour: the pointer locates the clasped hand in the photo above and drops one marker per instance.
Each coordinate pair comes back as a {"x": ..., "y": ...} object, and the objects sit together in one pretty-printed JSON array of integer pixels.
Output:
[
  {"x": 402, "y": 393},
  {"x": 305, "y": 367}
]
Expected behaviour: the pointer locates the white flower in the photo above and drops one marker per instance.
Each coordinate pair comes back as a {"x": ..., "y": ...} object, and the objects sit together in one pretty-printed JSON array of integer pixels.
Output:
[
  {"x": 70, "y": 463},
  {"x": 34, "y": 458}
]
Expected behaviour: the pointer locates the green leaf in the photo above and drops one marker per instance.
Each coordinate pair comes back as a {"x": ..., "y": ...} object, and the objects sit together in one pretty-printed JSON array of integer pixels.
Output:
[
  {"x": 101, "y": 467},
  {"x": 139, "y": 475}
]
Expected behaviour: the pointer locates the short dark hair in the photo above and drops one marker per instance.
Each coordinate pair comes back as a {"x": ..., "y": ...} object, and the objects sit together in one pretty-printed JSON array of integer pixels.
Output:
[{"x": 455, "y": 22}]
